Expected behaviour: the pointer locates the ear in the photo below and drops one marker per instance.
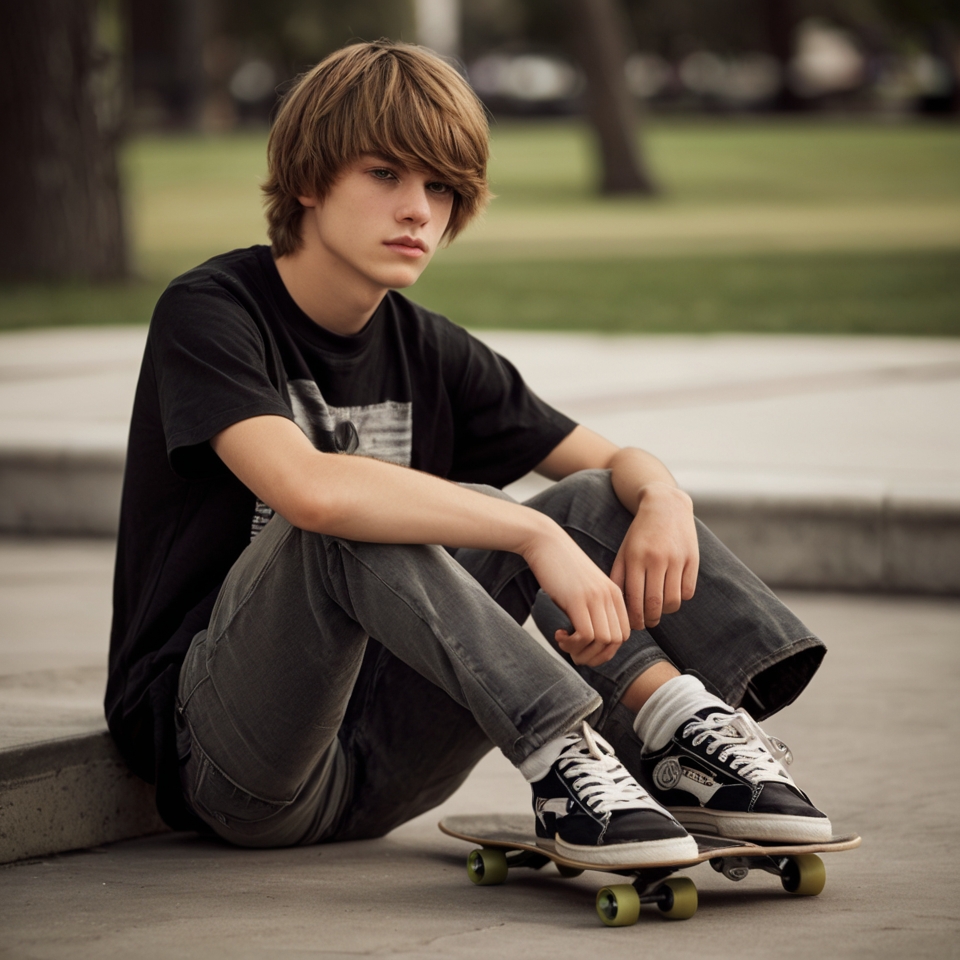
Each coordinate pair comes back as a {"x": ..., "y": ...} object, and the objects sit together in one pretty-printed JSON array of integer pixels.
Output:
[{"x": 308, "y": 201}]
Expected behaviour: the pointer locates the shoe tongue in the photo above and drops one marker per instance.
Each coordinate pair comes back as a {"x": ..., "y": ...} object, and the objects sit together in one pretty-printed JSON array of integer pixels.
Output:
[{"x": 712, "y": 711}]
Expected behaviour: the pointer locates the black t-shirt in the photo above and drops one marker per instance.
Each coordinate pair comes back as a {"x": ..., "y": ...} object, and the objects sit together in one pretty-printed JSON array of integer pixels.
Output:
[{"x": 227, "y": 342}]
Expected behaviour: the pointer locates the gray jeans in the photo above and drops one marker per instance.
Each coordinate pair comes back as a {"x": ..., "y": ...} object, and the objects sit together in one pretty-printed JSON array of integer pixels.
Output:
[{"x": 343, "y": 688}]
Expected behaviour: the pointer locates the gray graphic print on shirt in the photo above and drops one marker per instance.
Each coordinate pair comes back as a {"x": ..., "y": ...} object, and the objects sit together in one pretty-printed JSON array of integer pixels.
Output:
[{"x": 381, "y": 430}]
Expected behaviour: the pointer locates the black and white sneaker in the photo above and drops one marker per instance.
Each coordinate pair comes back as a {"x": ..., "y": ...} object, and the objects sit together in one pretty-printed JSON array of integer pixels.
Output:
[
  {"x": 720, "y": 774},
  {"x": 589, "y": 808}
]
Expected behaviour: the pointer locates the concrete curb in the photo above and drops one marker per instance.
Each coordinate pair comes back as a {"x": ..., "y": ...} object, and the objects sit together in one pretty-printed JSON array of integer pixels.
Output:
[
  {"x": 895, "y": 543},
  {"x": 51, "y": 490},
  {"x": 69, "y": 794},
  {"x": 826, "y": 537}
]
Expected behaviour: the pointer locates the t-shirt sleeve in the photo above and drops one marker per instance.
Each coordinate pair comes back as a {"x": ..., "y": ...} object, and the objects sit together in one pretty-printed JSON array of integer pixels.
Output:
[
  {"x": 211, "y": 370},
  {"x": 503, "y": 429}
]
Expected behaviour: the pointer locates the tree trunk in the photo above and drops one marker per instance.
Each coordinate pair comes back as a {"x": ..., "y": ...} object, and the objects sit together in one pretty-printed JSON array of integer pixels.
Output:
[
  {"x": 780, "y": 21},
  {"x": 59, "y": 187},
  {"x": 167, "y": 51},
  {"x": 597, "y": 30}
]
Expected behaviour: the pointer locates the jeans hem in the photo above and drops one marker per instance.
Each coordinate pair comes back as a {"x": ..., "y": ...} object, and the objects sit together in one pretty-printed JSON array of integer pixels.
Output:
[{"x": 740, "y": 686}]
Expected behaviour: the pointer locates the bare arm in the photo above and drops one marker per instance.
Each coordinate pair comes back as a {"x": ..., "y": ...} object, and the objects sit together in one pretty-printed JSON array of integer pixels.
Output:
[
  {"x": 659, "y": 558},
  {"x": 363, "y": 499}
]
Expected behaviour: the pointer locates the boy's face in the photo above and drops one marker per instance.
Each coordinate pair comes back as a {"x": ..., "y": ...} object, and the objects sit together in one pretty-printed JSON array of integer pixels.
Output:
[{"x": 380, "y": 223}]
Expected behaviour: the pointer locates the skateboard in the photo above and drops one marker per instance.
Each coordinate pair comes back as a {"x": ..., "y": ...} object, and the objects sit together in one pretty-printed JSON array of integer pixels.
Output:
[{"x": 508, "y": 841}]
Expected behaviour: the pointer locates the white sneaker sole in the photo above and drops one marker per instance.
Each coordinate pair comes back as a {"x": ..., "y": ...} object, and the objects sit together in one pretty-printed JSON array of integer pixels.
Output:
[
  {"x": 670, "y": 850},
  {"x": 778, "y": 828}
]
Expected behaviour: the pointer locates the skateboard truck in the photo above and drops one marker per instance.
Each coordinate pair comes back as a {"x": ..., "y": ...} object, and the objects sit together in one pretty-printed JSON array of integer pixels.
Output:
[
  {"x": 802, "y": 874},
  {"x": 618, "y": 905}
]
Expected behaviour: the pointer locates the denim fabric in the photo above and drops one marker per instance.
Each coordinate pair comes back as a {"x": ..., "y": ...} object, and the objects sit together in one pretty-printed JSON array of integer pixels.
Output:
[{"x": 343, "y": 688}]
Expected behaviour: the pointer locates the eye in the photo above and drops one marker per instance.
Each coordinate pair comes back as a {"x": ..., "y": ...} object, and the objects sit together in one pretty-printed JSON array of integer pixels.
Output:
[
  {"x": 382, "y": 173},
  {"x": 440, "y": 188}
]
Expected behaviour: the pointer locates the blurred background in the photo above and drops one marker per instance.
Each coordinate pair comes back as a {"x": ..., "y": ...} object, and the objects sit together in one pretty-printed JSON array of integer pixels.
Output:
[{"x": 659, "y": 165}]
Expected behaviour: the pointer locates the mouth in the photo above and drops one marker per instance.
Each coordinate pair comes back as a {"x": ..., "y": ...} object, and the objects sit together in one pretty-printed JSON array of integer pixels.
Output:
[{"x": 407, "y": 246}]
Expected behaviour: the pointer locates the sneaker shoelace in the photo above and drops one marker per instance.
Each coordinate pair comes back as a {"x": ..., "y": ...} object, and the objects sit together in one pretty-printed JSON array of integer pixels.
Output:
[
  {"x": 598, "y": 777},
  {"x": 743, "y": 746}
]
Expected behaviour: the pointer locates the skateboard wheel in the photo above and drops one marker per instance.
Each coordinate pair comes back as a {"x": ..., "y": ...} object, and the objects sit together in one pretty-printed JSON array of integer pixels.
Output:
[
  {"x": 568, "y": 872},
  {"x": 804, "y": 875},
  {"x": 679, "y": 898},
  {"x": 618, "y": 905},
  {"x": 487, "y": 867}
]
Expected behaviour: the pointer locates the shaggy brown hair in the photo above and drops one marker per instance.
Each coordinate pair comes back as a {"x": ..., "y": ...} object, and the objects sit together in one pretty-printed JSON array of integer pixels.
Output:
[{"x": 392, "y": 99}]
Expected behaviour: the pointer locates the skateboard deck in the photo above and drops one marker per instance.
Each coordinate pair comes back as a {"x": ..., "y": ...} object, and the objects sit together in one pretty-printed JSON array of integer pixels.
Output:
[{"x": 508, "y": 841}]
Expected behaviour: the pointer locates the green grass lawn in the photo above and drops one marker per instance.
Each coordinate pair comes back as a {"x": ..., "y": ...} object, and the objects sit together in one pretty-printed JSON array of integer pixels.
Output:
[
  {"x": 882, "y": 293},
  {"x": 807, "y": 225},
  {"x": 705, "y": 161}
]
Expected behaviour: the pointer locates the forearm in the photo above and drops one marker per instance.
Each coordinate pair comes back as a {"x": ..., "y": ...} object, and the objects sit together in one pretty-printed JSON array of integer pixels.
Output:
[
  {"x": 364, "y": 499},
  {"x": 637, "y": 474}
]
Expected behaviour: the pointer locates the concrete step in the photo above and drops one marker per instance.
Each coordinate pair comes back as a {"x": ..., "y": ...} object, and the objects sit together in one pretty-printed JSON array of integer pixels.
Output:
[
  {"x": 68, "y": 794},
  {"x": 823, "y": 533},
  {"x": 899, "y": 541}
]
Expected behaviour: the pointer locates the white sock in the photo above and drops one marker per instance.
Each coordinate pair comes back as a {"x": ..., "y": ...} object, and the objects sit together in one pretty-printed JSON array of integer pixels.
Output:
[
  {"x": 538, "y": 764},
  {"x": 677, "y": 700}
]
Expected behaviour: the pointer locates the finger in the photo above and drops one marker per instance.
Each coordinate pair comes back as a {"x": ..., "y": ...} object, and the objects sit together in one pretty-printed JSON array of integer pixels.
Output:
[
  {"x": 594, "y": 654},
  {"x": 581, "y": 620},
  {"x": 688, "y": 583},
  {"x": 593, "y": 658},
  {"x": 614, "y": 611},
  {"x": 621, "y": 615},
  {"x": 571, "y": 641},
  {"x": 574, "y": 648},
  {"x": 602, "y": 631},
  {"x": 633, "y": 595},
  {"x": 671, "y": 589},
  {"x": 618, "y": 571},
  {"x": 653, "y": 596}
]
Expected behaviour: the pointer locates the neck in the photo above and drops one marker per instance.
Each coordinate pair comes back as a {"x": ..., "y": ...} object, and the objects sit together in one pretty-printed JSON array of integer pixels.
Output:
[{"x": 331, "y": 294}]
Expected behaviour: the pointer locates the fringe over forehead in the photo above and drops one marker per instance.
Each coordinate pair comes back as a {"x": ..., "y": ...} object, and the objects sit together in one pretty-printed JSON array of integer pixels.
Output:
[{"x": 392, "y": 99}]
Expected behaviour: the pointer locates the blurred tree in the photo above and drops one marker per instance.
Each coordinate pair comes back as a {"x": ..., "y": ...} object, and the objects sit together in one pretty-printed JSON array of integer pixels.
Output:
[
  {"x": 936, "y": 24},
  {"x": 780, "y": 19},
  {"x": 165, "y": 53},
  {"x": 674, "y": 28},
  {"x": 597, "y": 30},
  {"x": 181, "y": 60},
  {"x": 61, "y": 105},
  {"x": 296, "y": 34},
  {"x": 185, "y": 53}
]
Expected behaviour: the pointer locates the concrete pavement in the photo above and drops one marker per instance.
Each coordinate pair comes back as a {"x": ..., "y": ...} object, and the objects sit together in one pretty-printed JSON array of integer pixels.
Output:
[
  {"x": 822, "y": 461},
  {"x": 825, "y": 462},
  {"x": 874, "y": 739}
]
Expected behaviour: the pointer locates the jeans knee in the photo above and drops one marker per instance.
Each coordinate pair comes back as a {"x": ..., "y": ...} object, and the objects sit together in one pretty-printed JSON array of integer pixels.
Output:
[
  {"x": 582, "y": 497},
  {"x": 594, "y": 484}
]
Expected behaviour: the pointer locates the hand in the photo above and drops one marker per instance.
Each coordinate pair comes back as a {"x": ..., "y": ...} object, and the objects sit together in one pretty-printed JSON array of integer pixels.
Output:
[
  {"x": 584, "y": 592},
  {"x": 657, "y": 564}
]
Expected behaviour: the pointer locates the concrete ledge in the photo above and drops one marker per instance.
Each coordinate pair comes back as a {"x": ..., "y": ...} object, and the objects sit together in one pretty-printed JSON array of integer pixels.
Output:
[
  {"x": 904, "y": 544},
  {"x": 68, "y": 794},
  {"x": 817, "y": 533},
  {"x": 59, "y": 490}
]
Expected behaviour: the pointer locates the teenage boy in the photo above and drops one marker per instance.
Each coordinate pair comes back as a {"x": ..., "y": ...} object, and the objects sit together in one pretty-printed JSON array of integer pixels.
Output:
[{"x": 317, "y": 610}]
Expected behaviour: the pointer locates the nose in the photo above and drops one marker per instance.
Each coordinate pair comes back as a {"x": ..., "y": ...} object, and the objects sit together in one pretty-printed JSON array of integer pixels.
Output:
[{"x": 415, "y": 204}]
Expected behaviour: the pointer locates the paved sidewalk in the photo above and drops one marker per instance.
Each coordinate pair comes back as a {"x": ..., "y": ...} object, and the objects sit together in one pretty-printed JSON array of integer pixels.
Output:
[
  {"x": 822, "y": 461},
  {"x": 874, "y": 739},
  {"x": 797, "y": 412}
]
